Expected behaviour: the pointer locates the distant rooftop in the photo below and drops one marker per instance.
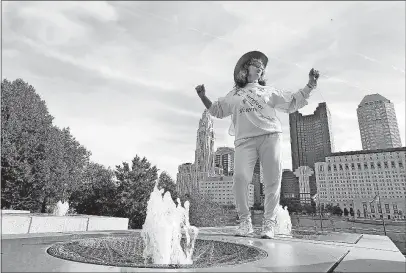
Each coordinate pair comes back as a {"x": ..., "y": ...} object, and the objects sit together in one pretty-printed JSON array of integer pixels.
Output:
[
  {"x": 219, "y": 178},
  {"x": 368, "y": 151},
  {"x": 225, "y": 149},
  {"x": 319, "y": 106},
  {"x": 373, "y": 98}
]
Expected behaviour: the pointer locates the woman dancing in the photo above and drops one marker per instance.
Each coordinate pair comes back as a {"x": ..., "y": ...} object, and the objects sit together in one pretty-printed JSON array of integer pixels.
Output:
[{"x": 258, "y": 133}]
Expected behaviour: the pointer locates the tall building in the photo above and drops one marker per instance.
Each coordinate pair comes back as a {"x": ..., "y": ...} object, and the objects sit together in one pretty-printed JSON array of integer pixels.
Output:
[
  {"x": 354, "y": 181},
  {"x": 224, "y": 159},
  {"x": 257, "y": 168},
  {"x": 377, "y": 123},
  {"x": 220, "y": 190},
  {"x": 289, "y": 185},
  {"x": 257, "y": 181},
  {"x": 311, "y": 139},
  {"x": 186, "y": 181},
  {"x": 204, "y": 154}
]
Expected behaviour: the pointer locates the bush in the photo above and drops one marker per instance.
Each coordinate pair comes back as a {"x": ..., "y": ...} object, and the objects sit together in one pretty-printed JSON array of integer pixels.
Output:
[
  {"x": 337, "y": 211},
  {"x": 205, "y": 213}
]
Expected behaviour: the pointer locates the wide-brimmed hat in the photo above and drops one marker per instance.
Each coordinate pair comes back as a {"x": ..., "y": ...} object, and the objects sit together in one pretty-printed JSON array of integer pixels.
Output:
[{"x": 246, "y": 57}]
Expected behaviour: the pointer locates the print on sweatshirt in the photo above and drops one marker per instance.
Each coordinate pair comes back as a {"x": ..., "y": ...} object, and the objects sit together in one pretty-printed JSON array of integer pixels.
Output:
[{"x": 253, "y": 108}]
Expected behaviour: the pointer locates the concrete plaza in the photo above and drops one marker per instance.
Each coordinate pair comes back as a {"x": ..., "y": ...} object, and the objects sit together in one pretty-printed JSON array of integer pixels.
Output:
[{"x": 329, "y": 252}]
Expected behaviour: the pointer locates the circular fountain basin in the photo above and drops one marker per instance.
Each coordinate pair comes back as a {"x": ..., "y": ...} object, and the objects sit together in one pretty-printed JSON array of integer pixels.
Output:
[{"x": 128, "y": 252}]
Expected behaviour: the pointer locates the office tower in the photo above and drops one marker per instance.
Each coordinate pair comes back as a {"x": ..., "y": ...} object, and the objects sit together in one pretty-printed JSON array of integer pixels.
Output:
[
  {"x": 224, "y": 159},
  {"x": 311, "y": 139},
  {"x": 257, "y": 182},
  {"x": 289, "y": 185},
  {"x": 377, "y": 123}
]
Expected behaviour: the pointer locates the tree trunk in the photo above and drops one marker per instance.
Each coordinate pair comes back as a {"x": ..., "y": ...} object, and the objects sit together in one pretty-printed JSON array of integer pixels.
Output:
[{"x": 44, "y": 205}]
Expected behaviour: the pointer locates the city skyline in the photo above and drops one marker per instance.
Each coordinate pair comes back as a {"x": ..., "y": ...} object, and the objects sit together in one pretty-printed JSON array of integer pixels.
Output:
[{"x": 121, "y": 75}]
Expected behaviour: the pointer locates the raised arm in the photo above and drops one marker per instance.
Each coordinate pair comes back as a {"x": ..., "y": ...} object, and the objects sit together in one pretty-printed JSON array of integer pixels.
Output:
[
  {"x": 290, "y": 102},
  {"x": 220, "y": 108}
]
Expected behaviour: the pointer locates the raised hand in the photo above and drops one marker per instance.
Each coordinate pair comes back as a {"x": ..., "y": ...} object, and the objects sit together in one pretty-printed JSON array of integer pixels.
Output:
[
  {"x": 201, "y": 91},
  {"x": 313, "y": 77}
]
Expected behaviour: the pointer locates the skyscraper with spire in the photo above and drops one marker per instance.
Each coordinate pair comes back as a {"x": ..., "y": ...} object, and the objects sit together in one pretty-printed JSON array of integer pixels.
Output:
[{"x": 204, "y": 154}]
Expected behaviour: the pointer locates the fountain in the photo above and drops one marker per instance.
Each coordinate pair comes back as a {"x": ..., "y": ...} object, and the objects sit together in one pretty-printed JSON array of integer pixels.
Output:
[
  {"x": 162, "y": 231},
  {"x": 167, "y": 240},
  {"x": 284, "y": 223},
  {"x": 61, "y": 208}
]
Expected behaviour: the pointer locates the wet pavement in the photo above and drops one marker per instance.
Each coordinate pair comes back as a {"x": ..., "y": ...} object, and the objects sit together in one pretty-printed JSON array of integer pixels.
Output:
[{"x": 337, "y": 252}]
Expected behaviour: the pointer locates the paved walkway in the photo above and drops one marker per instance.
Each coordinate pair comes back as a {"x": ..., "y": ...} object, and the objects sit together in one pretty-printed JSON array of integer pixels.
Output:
[{"x": 344, "y": 253}]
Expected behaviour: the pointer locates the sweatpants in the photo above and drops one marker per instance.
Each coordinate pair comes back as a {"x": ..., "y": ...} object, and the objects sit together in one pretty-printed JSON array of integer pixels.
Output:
[{"x": 268, "y": 149}]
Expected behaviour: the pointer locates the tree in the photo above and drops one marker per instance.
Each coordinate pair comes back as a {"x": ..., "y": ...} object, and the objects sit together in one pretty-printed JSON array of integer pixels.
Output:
[
  {"x": 67, "y": 162},
  {"x": 134, "y": 187},
  {"x": 39, "y": 161},
  {"x": 97, "y": 194},
  {"x": 308, "y": 208},
  {"x": 329, "y": 208},
  {"x": 25, "y": 124},
  {"x": 336, "y": 210},
  {"x": 293, "y": 204},
  {"x": 166, "y": 182}
]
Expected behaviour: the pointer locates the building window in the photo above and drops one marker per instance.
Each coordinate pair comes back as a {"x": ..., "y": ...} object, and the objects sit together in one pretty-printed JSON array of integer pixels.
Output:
[
  {"x": 372, "y": 165},
  {"x": 401, "y": 164},
  {"x": 387, "y": 209},
  {"x": 379, "y": 208},
  {"x": 395, "y": 209},
  {"x": 372, "y": 208},
  {"x": 365, "y": 166},
  {"x": 364, "y": 206}
]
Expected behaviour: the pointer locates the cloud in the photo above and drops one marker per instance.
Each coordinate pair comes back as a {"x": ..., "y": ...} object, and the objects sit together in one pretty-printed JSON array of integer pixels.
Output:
[{"x": 122, "y": 75}]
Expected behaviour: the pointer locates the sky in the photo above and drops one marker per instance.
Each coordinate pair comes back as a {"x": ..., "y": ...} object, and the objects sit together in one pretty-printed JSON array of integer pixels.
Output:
[{"x": 121, "y": 75}]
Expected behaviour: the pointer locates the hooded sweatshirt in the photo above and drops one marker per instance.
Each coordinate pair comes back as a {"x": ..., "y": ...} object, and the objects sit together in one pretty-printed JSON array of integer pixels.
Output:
[{"x": 253, "y": 108}]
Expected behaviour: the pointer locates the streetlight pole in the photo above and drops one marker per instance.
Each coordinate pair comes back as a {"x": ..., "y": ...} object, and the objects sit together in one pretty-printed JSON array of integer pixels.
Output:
[
  {"x": 383, "y": 215},
  {"x": 321, "y": 217},
  {"x": 316, "y": 198}
]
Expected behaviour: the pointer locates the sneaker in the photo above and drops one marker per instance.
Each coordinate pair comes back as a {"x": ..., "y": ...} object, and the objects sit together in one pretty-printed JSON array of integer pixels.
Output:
[
  {"x": 268, "y": 229},
  {"x": 245, "y": 228}
]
